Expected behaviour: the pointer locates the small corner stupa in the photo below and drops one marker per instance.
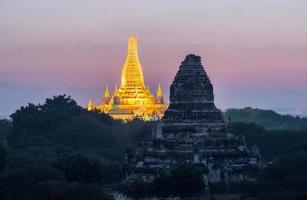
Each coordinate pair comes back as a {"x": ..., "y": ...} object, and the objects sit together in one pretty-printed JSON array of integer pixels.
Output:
[{"x": 133, "y": 99}]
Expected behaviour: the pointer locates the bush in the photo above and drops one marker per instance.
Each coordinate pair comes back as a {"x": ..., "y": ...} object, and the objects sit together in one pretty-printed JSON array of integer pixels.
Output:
[
  {"x": 184, "y": 181},
  {"x": 82, "y": 191},
  {"x": 19, "y": 183},
  {"x": 80, "y": 169},
  {"x": 3, "y": 158}
]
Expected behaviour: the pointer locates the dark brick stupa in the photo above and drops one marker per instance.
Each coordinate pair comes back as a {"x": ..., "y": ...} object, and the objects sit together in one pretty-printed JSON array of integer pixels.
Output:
[
  {"x": 193, "y": 131},
  {"x": 191, "y": 94}
]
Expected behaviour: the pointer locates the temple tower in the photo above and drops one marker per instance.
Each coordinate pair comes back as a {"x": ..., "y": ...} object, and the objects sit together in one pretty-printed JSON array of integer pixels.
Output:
[
  {"x": 132, "y": 73},
  {"x": 133, "y": 90},
  {"x": 193, "y": 131},
  {"x": 191, "y": 94},
  {"x": 106, "y": 98},
  {"x": 159, "y": 96},
  {"x": 133, "y": 98}
]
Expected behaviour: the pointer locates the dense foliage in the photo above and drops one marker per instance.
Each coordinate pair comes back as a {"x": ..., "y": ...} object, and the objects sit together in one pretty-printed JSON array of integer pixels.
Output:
[
  {"x": 184, "y": 181},
  {"x": 61, "y": 150},
  {"x": 266, "y": 118},
  {"x": 58, "y": 150},
  {"x": 3, "y": 158},
  {"x": 284, "y": 178},
  {"x": 272, "y": 143},
  {"x": 78, "y": 168}
]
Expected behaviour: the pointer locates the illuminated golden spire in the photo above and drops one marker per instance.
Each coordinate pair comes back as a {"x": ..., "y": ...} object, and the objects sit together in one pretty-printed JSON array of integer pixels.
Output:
[
  {"x": 106, "y": 98},
  {"x": 107, "y": 93},
  {"x": 90, "y": 105},
  {"x": 133, "y": 99},
  {"x": 132, "y": 74},
  {"x": 116, "y": 93},
  {"x": 159, "y": 91}
]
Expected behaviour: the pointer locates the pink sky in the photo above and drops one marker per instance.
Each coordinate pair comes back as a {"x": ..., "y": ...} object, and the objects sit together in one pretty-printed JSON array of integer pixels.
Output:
[{"x": 254, "y": 51}]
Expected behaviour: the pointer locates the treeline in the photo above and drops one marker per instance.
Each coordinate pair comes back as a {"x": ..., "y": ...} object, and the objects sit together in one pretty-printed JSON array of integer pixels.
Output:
[
  {"x": 271, "y": 142},
  {"x": 266, "y": 118},
  {"x": 284, "y": 153},
  {"x": 183, "y": 181},
  {"x": 282, "y": 140},
  {"x": 58, "y": 150}
]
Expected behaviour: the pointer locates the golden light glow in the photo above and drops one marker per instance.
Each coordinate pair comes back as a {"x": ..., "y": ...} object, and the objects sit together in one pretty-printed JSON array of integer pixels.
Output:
[
  {"x": 132, "y": 73},
  {"x": 159, "y": 92},
  {"x": 132, "y": 99},
  {"x": 90, "y": 105},
  {"x": 107, "y": 93}
]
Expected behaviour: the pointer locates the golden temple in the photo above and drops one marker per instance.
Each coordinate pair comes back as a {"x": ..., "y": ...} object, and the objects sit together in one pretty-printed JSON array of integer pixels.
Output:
[{"x": 133, "y": 99}]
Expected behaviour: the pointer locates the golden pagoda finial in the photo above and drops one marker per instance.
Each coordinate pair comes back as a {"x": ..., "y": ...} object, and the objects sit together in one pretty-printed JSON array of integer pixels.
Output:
[
  {"x": 116, "y": 91},
  {"x": 107, "y": 92},
  {"x": 132, "y": 74},
  {"x": 90, "y": 105},
  {"x": 159, "y": 91}
]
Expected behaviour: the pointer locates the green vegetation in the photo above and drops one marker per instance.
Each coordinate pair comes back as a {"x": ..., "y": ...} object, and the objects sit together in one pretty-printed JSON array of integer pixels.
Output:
[
  {"x": 3, "y": 158},
  {"x": 58, "y": 151},
  {"x": 286, "y": 177},
  {"x": 184, "y": 181},
  {"x": 266, "y": 118},
  {"x": 272, "y": 143}
]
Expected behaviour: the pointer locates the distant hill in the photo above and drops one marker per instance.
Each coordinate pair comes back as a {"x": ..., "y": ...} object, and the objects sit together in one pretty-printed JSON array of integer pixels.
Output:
[{"x": 266, "y": 118}]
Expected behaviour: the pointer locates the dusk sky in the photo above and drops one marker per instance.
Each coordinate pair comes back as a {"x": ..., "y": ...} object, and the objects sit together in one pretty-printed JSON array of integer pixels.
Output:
[{"x": 255, "y": 51}]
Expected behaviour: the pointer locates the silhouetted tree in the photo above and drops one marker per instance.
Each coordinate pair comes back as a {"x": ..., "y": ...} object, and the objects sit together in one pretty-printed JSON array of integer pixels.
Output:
[
  {"x": 83, "y": 191},
  {"x": 285, "y": 179},
  {"x": 184, "y": 181},
  {"x": 34, "y": 120},
  {"x": 187, "y": 180},
  {"x": 59, "y": 109},
  {"x": 266, "y": 118},
  {"x": 80, "y": 169},
  {"x": 49, "y": 190},
  {"x": 3, "y": 158},
  {"x": 19, "y": 183}
]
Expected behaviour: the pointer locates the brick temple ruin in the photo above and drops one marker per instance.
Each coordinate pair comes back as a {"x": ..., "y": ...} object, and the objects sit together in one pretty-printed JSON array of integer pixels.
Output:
[{"x": 193, "y": 131}]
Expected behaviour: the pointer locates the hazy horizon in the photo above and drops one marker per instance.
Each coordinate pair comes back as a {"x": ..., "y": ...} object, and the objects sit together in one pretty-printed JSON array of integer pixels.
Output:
[{"x": 254, "y": 51}]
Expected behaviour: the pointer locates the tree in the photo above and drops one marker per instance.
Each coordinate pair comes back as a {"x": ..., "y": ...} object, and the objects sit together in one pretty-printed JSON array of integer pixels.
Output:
[
  {"x": 3, "y": 158},
  {"x": 80, "y": 169},
  {"x": 286, "y": 178},
  {"x": 163, "y": 186},
  {"x": 19, "y": 183},
  {"x": 34, "y": 120},
  {"x": 58, "y": 110},
  {"x": 266, "y": 118},
  {"x": 184, "y": 181},
  {"x": 187, "y": 180},
  {"x": 85, "y": 191},
  {"x": 26, "y": 121},
  {"x": 138, "y": 189}
]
